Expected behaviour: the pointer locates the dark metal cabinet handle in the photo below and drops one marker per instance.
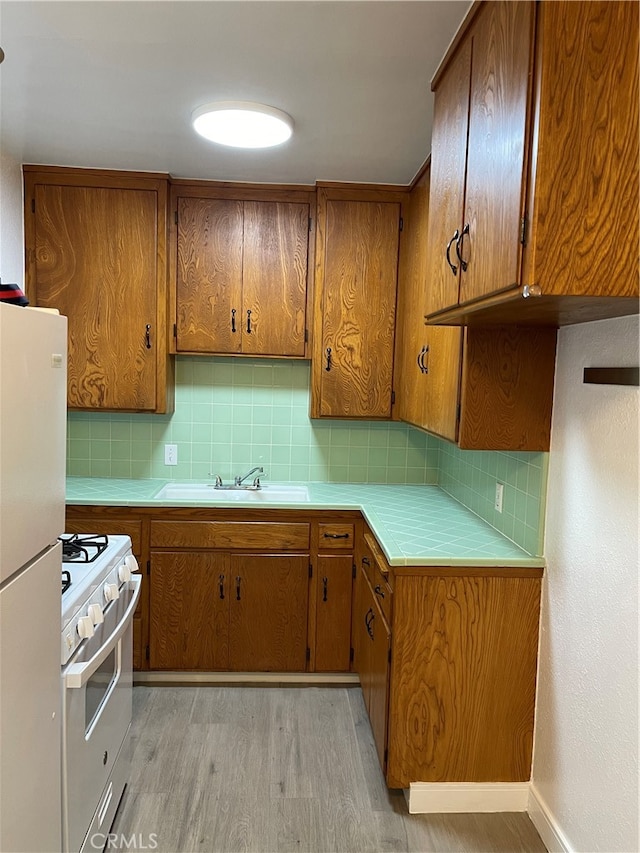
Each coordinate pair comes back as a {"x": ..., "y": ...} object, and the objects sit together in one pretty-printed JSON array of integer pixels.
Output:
[
  {"x": 233, "y": 320},
  {"x": 324, "y": 589},
  {"x": 238, "y": 579},
  {"x": 328, "y": 351},
  {"x": 463, "y": 263},
  {"x": 147, "y": 335},
  {"x": 221, "y": 582},
  {"x": 365, "y": 561},
  {"x": 368, "y": 621},
  {"x": 456, "y": 236},
  {"x": 249, "y": 321},
  {"x": 378, "y": 590},
  {"x": 336, "y": 535},
  {"x": 424, "y": 352}
]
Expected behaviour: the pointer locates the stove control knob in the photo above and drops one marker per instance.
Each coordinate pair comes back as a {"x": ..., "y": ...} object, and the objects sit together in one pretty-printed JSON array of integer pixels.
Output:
[
  {"x": 85, "y": 627},
  {"x": 124, "y": 573},
  {"x": 111, "y": 591},
  {"x": 131, "y": 563},
  {"x": 95, "y": 614}
]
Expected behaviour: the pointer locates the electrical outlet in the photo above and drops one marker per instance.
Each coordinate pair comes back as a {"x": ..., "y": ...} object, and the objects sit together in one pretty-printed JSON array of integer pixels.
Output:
[
  {"x": 171, "y": 454},
  {"x": 499, "y": 496}
]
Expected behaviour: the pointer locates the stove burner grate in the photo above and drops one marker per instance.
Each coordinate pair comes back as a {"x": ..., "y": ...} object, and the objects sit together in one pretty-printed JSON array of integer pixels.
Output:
[
  {"x": 78, "y": 548},
  {"x": 66, "y": 580}
]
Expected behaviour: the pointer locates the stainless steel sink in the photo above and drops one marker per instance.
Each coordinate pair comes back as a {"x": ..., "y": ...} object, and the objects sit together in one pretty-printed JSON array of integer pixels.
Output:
[{"x": 207, "y": 492}]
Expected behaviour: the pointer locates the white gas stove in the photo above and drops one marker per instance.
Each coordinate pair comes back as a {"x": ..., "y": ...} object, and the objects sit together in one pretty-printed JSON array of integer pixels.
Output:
[
  {"x": 101, "y": 588},
  {"x": 93, "y": 570}
]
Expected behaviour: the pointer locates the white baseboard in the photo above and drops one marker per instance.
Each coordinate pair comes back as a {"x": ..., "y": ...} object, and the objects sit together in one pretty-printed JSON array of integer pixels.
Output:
[
  {"x": 245, "y": 678},
  {"x": 449, "y": 797},
  {"x": 545, "y": 823}
]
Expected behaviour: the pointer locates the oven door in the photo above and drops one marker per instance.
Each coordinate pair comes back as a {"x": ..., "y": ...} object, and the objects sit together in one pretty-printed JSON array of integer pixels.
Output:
[{"x": 97, "y": 705}]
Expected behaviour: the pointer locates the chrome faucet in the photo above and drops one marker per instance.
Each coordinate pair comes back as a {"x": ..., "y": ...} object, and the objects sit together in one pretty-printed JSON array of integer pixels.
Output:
[{"x": 240, "y": 480}]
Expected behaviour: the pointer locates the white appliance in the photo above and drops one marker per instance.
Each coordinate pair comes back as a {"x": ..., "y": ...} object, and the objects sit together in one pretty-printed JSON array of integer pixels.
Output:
[
  {"x": 97, "y": 677},
  {"x": 33, "y": 346}
]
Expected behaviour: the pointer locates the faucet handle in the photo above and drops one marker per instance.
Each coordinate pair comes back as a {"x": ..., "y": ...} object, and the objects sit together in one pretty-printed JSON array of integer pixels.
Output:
[
  {"x": 256, "y": 483},
  {"x": 218, "y": 480}
]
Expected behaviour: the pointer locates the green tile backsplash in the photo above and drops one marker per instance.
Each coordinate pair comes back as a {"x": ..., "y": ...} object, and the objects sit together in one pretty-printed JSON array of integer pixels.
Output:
[{"x": 233, "y": 414}]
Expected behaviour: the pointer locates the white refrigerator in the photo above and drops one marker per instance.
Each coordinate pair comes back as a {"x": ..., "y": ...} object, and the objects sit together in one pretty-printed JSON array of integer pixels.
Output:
[{"x": 33, "y": 347}]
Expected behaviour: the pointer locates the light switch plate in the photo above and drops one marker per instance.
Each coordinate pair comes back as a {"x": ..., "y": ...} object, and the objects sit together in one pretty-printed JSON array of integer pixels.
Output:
[
  {"x": 171, "y": 454},
  {"x": 499, "y": 496}
]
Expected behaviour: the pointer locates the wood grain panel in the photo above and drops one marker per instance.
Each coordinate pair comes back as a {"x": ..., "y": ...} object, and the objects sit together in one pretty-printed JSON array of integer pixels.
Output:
[
  {"x": 189, "y": 618},
  {"x": 359, "y": 299},
  {"x": 209, "y": 275},
  {"x": 466, "y": 713},
  {"x": 96, "y": 255},
  {"x": 274, "y": 278},
  {"x": 229, "y": 534},
  {"x": 379, "y": 638},
  {"x": 335, "y": 536},
  {"x": 448, "y": 169},
  {"x": 507, "y": 388},
  {"x": 333, "y": 580},
  {"x": 268, "y": 612},
  {"x": 584, "y": 234},
  {"x": 444, "y": 363},
  {"x": 498, "y": 124},
  {"x": 409, "y": 381}
]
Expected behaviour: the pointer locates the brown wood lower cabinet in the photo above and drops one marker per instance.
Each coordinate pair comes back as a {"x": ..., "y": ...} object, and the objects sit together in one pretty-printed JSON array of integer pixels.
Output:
[
  {"x": 455, "y": 666},
  {"x": 220, "y": 611},
  {"x": 333, "y": 613}
]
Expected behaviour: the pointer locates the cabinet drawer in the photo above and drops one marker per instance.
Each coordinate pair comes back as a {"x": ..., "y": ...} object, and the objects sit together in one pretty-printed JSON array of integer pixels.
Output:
[
  {"x": 382, "y": 590},
  {"x": 335, "y": 536},
  {"x": 229, "y": 534},
  {"x": 108, "y": 527}
]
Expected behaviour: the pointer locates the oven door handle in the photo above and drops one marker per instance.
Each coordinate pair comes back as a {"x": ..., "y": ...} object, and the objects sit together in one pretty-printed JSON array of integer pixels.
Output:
[{"x": 77, "y": 674}]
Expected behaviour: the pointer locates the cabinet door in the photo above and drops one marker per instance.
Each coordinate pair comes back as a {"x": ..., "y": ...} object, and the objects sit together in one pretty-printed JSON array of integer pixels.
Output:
[
  {"x": 190, "y": 593},
  {"x": 379, "y": 640},
  {"x": 268, "y": 612},
  {"x": 333, "y": 613},
  {"x": 96, "y": 255},
  {"x": 209, "y": 275},
  {"x": 359, "y": 286},
  {"x": 498, "y": 113},
  {"x": 448, "y": 166},
  {"x": 274, "y": 278}
]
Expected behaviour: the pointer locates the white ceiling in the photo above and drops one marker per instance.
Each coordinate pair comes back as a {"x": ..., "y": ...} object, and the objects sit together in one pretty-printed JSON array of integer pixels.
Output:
[{"x": 113, "y": 84}]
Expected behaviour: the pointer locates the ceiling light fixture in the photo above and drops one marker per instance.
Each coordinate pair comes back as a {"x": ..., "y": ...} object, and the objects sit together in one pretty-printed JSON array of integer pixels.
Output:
[{"x": 242, "y": 124}]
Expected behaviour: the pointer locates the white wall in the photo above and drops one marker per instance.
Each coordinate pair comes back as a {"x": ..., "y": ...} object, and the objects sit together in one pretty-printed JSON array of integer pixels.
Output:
[
  {"x": 11, "y": 239},
  {"x": 586, "y": 743}
]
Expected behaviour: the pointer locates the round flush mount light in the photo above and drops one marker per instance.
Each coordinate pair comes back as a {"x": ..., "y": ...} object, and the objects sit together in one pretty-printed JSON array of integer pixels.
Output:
[{"x": 242, "y": 124}]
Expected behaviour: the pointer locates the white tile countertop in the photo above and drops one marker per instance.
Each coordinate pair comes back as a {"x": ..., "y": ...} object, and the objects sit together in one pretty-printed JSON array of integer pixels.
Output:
[{"x": 415, "y": 525}]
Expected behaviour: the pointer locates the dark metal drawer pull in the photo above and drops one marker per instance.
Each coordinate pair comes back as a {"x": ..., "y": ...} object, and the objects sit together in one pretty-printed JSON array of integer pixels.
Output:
[
  {"x": 249, "y": 321},
  {"x": 147, "y": 335},
  {"x": 221, "y": 582},
  {"x": 324, "y": 589},
  {"x": 233, "y": 320},
  {"x": 336, "y": 535},
  {"x": 238, "y": 579},
  {"x": 365, "y": 561},
  {"x": 368, "y": 621},
  {"x": 463, "y": 263},
  {"x": 378, "y": 590},
  {"x": 328, "y": 351}
]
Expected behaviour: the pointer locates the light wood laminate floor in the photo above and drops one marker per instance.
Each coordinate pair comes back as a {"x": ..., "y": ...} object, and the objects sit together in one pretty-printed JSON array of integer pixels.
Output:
[{"x": 277, "y": 769}]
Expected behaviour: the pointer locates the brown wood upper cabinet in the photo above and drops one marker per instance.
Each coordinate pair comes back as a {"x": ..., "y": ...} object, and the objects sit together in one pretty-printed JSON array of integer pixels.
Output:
[
  {"x": 534, "y": 176},
  {"x": 240, "y": 270},
  {"x": 355, "y": 302},
  {"x": 96, "y": 251},
  {"x": 454, "y": 383}
]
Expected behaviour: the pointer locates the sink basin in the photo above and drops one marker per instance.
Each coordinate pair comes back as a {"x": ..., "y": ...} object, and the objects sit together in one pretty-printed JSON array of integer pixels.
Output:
[{"x": 269, "y": 493}]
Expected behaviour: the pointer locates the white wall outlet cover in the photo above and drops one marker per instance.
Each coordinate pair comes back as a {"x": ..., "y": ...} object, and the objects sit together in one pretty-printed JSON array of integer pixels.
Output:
[
  {"x": 171, "y": 454},
  {"x": 499, "y": 497}
]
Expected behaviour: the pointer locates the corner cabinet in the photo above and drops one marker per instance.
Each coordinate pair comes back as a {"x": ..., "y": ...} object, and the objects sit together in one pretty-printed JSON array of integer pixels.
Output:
[
  {"x": 452, "y": 382},
  {"x": 239, "y": 269},
  {"x": 447, "y": 659},
  {"x": 357, "y": 242},
  {"x": 534, "y": 172},
  {"x": 96, "y": 251}
]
